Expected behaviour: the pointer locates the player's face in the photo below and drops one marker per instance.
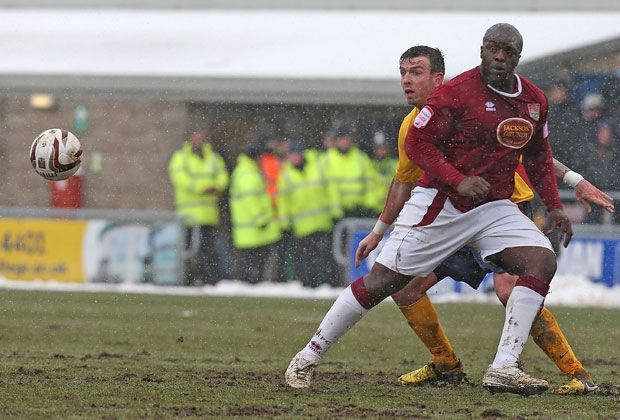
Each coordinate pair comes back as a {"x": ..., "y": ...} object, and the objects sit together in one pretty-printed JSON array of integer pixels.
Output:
[
  {"x": 417, "y": 80},
  {"x": 499, "y": 60}
]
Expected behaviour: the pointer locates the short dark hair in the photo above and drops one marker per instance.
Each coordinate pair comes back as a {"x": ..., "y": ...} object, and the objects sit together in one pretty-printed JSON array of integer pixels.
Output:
[{"x": 434, "y": 55}]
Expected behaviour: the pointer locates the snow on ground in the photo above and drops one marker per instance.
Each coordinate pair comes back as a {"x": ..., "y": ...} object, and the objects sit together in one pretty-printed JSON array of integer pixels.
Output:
[{"x": 565, "y": 291}]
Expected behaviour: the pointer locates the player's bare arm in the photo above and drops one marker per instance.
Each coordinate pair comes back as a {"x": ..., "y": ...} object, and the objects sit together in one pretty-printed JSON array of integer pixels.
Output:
[
  {"x": 559, "y": 168},
  {"x": 585, "y": 192},
  {"x": 398, "y": 194}
]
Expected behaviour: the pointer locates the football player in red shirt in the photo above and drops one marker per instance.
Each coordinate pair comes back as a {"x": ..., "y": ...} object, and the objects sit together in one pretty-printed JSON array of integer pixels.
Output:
[
  {"x": 421, "y": 69},
  {"x": 452, "y": 210}
]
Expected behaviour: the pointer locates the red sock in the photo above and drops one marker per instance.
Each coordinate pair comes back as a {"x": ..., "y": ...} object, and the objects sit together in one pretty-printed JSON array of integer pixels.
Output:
[
  {"x": 358, "y": 288},
  {"x": 533, "y": 283}
]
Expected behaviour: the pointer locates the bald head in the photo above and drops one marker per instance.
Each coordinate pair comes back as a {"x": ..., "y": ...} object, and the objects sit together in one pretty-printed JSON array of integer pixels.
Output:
[
  {"x": 504, "y": 33},
  {"x": 500, "y": 53}
]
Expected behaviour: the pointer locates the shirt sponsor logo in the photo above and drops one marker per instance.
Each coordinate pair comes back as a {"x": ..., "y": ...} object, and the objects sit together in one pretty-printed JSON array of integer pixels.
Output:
[
  {"x": 423, "y": 117},
  {"x": 534, "y": 111},
  {"x": 490, "y": 106},
  {"x": 514, "y": 132}
]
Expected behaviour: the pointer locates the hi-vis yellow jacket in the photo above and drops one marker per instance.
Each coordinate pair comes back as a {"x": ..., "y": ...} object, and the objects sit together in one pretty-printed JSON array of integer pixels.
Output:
[
  {"x": 251, "y": 212},
  {"x": 191, "y": 175},
  {"x": 307, "y": 202}
]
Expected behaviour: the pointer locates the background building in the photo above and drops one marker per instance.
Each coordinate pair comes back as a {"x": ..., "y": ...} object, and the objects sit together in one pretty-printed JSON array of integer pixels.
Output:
[{"x": 131, "y": 78}]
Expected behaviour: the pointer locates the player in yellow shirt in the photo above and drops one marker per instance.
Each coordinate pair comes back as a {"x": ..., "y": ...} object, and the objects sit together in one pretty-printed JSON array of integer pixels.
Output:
[{"x": 422, "y": 70}]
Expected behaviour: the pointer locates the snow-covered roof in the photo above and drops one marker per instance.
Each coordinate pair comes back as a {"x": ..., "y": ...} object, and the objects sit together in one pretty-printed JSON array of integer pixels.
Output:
[{"x": 270, "y": 45}]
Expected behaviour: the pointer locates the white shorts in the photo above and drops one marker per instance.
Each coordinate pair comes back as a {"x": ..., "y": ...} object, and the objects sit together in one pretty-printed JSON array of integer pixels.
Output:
[{"x": 429, "y": 229}]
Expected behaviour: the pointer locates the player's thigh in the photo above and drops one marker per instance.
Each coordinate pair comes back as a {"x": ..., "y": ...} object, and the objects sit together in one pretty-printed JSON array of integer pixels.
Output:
[
  {"x": 428, "y": 230},
  {"x": 533, "y": 261},
  {"x": 514, "y": 242},
  {"x": 506, "y": 227}
]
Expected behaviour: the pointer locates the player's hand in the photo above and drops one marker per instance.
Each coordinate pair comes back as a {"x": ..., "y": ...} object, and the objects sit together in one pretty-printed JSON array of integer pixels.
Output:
[
  {"x": 587, "y": 193},
  {"x": 558, "y": 219},
  {"x": 366, "y": 246},
  {"x": 474, "y": 187}
]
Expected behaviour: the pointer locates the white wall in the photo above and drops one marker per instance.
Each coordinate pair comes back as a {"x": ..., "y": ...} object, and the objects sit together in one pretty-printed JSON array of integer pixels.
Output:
[{"x": 524, "y": 5}]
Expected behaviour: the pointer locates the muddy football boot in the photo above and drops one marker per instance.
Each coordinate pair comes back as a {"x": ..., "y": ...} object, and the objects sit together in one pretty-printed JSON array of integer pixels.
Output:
[
  {"x": 578, "y": 385},
  {"x": 511, "y": 378},
  {"x": 300, "y": 371},
  {"x": 428, "y": 374}
]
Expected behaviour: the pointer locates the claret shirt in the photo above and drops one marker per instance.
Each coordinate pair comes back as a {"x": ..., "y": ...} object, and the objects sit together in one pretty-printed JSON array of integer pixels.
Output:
[
  {"x": 468, "y": 128},
  {"x": 409, "y": 172}
]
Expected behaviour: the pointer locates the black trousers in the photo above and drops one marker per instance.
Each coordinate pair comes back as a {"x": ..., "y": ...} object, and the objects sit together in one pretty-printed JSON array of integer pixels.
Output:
[
  {"x": 313, "y": 260},
  {"x": 251, "y": 263},
  {"x": 204, "y": 267}
]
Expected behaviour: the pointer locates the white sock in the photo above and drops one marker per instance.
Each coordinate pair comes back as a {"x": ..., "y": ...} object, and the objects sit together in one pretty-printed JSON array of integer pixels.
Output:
[
  {"x": 521, "y": 309},
  {"x": 344, "y": 314}
]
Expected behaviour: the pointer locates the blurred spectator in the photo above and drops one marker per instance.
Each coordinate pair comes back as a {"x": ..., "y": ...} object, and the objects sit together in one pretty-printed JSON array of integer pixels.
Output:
[
  {"x": 351, "y": 171},
  {"x": 306, "y": 205},
  {"x": 602, "y": 164},
  {"x": 563, "y": 121},
  {"x": 385, "y": 168},
  {"x": 273, "y": 147},
  {"x": 328, "y": 143},
  {"x": 611, "y": 94},
  {"x": 254, "y": 227},
  {"x": 592, "y": 107},
  {"x": 270, "y": 162},
  {"x": 611, "y": 91},
  {"x": 328, "y": 139},
  {"x": 199, "y": 177}
]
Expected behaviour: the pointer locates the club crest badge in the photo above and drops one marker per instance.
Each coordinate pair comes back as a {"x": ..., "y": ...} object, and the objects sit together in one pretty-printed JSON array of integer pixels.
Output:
[{"x": 534, "y": 111}]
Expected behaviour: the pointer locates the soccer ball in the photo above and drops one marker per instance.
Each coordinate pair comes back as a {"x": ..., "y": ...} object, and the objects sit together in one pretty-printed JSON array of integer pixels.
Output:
[{"x": 55, "y": 154}]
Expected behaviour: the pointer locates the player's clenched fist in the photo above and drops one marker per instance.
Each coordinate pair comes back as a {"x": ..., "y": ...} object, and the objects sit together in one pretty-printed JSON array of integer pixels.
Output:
[{"x": 475, "y": 187}]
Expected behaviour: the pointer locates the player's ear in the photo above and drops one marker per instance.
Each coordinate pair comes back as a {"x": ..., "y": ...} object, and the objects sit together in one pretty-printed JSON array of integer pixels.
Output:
[
  {"x": 438, "y": 79},
  {"x": 481, "y": 51}
]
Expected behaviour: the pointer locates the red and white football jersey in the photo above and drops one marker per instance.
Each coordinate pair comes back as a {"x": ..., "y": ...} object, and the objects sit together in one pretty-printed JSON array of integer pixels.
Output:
[{"x": 468, "y": 128}]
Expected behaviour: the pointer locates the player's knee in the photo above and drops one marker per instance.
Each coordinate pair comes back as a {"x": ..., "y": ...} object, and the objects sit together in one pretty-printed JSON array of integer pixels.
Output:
[
  {"x": 545, "y": 266},
  {"x": 502, "y": 294},
  {"x": 382, "y": 282},
  {"x": 409, "y": 294},
  {"x": 503, "y": 283},
  {"x": 550, "y": 265}
]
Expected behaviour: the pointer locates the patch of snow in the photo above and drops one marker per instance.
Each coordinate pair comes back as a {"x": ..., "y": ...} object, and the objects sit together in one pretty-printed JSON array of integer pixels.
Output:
[{"x": 565, "y": 291}]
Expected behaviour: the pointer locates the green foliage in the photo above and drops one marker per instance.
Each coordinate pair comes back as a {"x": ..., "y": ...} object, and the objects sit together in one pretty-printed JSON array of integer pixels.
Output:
[{"x": 127, "y": 356}]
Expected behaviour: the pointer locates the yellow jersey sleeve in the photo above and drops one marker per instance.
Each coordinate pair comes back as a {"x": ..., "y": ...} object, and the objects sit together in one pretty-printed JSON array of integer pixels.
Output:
[{"x": 407, "y": 172}]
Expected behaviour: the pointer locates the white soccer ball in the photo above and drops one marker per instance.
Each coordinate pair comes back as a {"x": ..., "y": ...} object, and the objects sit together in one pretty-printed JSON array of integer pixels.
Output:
[{"x": 56, "y": 154}]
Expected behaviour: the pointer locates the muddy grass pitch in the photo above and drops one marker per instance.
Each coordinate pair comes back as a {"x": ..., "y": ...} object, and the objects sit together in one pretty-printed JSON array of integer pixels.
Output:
[{"x": 133, "y": 356}]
